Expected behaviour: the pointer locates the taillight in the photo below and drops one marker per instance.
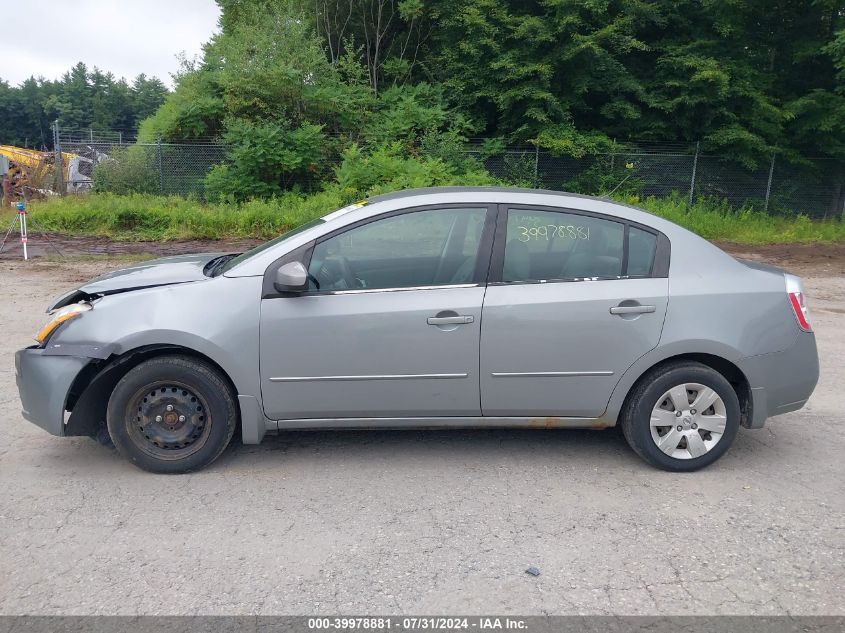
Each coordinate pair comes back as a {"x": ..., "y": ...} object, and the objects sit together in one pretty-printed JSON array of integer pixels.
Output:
[{"x": 795, "y": 292}]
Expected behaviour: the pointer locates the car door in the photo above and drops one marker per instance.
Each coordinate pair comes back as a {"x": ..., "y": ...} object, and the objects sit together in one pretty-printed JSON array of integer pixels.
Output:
[
  {"x": 390, "y": 324},
  {"x": 574, "y": 300}
]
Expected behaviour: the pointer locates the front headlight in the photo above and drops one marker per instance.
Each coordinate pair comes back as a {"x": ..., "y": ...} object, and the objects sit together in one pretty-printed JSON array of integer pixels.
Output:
[{"x": 60, "y": 316}]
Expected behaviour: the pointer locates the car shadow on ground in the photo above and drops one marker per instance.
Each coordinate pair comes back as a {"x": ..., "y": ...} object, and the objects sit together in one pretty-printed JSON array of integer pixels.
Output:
[
  {"x": 580, "y": 449},
  {"x": 466, "y": 445}
]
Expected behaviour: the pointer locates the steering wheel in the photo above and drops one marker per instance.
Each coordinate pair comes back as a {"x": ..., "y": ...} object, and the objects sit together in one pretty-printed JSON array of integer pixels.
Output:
[{"x": 346, "y": 272}]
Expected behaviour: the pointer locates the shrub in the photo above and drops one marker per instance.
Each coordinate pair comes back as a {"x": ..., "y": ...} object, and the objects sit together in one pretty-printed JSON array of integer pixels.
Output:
[
  {"x": 388, "y": 169},
  {"x": 127, "y": 170}
]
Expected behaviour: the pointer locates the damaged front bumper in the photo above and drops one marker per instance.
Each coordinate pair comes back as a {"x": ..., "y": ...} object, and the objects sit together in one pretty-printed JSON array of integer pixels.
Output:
[{"x": 44, "y": 381}]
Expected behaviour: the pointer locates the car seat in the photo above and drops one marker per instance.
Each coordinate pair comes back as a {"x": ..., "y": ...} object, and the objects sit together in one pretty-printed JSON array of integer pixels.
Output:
[
  {"x": 591, "y": 258},
  {"x": 517, "y": 261}
]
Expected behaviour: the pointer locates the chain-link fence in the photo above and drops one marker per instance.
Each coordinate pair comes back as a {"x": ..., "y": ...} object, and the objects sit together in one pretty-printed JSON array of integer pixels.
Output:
[
  {"x": 115, "y": 161},
  {"x": 815, "y": 189}
]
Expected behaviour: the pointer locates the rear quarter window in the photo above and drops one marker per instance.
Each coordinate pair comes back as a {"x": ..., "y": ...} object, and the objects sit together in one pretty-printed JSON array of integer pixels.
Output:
[{"x": 641, "y": 248}]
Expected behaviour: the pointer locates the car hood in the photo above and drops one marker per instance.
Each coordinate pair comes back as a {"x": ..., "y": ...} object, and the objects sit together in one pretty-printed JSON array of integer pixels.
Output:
[{"x": 157, "y": 272}]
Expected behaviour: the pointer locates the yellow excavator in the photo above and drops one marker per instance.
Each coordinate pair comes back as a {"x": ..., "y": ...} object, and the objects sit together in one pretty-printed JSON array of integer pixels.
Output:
[{"x": 30, "y": 173}]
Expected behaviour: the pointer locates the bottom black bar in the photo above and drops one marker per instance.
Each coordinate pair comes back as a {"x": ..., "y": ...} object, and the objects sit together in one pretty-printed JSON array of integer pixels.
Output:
[{"x": 517, "y": 624}]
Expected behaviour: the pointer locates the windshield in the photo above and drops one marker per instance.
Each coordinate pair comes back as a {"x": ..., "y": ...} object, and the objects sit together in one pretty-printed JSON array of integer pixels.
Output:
[{"x": 276, "y": 240}]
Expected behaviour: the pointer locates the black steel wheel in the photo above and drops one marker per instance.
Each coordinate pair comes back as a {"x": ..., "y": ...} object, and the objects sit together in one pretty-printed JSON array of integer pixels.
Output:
[
  {"x": 172, "y": 414},
  {"x": 171, "y": 421}
]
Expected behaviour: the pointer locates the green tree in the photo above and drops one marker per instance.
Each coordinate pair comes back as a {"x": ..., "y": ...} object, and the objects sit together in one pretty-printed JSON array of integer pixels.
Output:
[
  {"x": 286, "y": 108},
  {"x": 747, "y": 79},
  {"x": 80, "y": 99},
  {"x": 72, "y": 103},
  {"x": 148, "y": 93}
]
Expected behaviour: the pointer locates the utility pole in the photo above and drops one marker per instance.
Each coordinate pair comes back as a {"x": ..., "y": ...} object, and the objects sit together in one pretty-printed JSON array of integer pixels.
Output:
[
  {"x": 769, "y": 183},
  {"x": 58, "y": 162},
  {"x": 613, "y": 157},
  {"x": 694, "y": 169},
  {"x": 160, "y": 169}
]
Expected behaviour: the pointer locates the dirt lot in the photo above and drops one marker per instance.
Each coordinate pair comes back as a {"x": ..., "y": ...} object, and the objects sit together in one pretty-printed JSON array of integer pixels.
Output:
[{"x": 425, "y": 522}]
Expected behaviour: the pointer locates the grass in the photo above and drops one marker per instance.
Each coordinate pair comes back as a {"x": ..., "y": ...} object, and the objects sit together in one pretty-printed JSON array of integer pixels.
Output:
[
  {"x": 140, "y": 217},
  {"x": 715, "y": 220}
]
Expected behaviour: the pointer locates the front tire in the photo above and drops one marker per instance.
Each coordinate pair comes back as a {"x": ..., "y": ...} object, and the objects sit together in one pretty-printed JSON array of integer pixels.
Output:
[
  {"x": 172, "y": 414},
  {"x": 681, "y": 417}
]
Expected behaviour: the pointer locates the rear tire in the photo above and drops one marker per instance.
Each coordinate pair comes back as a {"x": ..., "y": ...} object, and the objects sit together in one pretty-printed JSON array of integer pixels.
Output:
[
  {"x": 661, "y": 423},
  {"x": 172, "y": 414}
]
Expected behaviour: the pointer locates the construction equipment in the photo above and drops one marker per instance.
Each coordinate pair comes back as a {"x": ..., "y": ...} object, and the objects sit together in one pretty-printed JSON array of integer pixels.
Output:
[{"x": 32, "y": 173}]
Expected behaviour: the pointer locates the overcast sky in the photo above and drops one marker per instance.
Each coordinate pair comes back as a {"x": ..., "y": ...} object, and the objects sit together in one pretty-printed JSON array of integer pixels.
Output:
[{"x": 125, "y": 37}]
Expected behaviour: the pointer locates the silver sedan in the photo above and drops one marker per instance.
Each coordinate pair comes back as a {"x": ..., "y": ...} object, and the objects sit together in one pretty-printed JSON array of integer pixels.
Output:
[{"x": 451, "y": 307}]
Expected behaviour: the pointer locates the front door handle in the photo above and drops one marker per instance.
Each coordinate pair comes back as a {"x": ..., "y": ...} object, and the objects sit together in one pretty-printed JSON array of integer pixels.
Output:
[
  {"x": 639, "y": 309},
  {"x": 451, "y": 320}
]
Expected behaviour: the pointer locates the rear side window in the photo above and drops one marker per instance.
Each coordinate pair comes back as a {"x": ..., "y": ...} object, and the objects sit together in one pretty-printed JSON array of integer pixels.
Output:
[
  {"x": 641, "y": 248},
  {"x": 556, "y": 245}
]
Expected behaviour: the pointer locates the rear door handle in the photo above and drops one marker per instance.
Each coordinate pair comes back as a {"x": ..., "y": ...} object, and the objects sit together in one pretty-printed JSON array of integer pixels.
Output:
[
  {"x": 632, "y": 309},
  {"x": 451, "y": 320}
]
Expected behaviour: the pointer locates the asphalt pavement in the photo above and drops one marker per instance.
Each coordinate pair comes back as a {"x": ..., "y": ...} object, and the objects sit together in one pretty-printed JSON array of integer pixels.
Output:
[{"x": 434, "y": 522}]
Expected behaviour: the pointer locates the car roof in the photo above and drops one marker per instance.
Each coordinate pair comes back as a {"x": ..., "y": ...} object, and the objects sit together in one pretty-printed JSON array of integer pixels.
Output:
[
  {"x": 492, "y": 191},
  {"x": 484, "y": 193}
]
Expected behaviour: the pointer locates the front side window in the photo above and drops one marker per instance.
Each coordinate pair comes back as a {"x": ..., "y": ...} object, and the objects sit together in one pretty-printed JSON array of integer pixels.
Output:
[
  {"x": 557, "y": 245},
  {"x": 432, "y": 247}
]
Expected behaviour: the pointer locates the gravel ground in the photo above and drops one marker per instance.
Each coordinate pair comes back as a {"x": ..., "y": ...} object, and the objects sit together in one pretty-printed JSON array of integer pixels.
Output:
[{"x": 422, "y": 522}]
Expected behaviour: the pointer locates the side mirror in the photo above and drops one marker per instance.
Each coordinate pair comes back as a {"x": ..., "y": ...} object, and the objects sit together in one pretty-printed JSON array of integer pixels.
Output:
[{"x": 291, "y": 277}]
